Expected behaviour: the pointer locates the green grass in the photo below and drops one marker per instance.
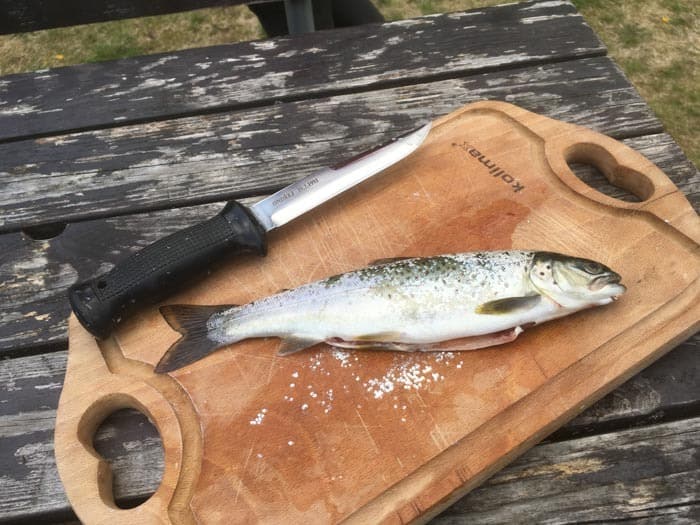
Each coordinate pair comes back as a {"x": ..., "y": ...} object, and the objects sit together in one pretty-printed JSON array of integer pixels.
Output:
[{"x": 656, "y": 43}]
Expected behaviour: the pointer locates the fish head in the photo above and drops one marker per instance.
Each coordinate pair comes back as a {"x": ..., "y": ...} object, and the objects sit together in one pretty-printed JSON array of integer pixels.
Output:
[{"x": 573, "y": 282}]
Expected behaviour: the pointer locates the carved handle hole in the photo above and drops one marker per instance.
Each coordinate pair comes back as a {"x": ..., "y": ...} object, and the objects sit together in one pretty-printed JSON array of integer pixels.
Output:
[
  {"x": 597, "y": 168},
  {"x": 132, "y": 446}
]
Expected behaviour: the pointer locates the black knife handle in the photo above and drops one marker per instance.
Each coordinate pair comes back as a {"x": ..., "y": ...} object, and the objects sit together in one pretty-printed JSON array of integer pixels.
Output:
[{"x": 161, "y": 268}]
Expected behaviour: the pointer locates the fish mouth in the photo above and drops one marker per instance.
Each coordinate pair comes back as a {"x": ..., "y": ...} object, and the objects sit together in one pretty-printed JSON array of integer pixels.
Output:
[
  {"x": 604, "y": 280},
  {"x": 619, "y": 289}
]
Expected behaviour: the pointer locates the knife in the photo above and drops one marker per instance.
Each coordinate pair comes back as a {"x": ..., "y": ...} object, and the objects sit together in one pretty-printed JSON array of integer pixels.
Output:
[{"x": 161, "y": 268}]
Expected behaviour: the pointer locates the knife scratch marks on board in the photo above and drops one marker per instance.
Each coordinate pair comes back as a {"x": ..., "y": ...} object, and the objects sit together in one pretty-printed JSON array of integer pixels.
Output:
[
  {"x": 239, "y": 485},
  {"x": 420, "y": 400},
  {"x": 437, "y": 433},
  {"x": 416, "y": 177},
  {"x": 319, "y": 259},
  {"x": 357, "y": 239},
  {"x": 243, "y": 375},
  {"x": 375, "y": 224},
  {"x": 269, "y": 372},
  {"x": 315, "y": 269},
  {"x": 369, "y": 434}
]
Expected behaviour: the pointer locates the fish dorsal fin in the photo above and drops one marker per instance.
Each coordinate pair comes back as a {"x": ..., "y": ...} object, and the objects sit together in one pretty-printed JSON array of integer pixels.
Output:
[
  {"x": 509, "y": 305},
  {"x": 388, "y": 260},
  {"x": 291, "y": 345}
]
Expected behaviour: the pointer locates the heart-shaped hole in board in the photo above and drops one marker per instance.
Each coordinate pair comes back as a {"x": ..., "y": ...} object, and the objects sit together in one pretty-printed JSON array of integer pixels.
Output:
[
  {"x": 133, "y": 447},
  {"x": 598, "y": 169}
]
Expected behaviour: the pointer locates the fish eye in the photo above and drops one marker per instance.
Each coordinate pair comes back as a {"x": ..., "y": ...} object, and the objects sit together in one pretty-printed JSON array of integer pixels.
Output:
[{"x": 591, "y": 267}]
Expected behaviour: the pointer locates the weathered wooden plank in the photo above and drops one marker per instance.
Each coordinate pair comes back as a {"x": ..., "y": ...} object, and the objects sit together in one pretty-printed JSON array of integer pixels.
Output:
[
  {"x": 35, "y": 274},
  {"x": 18, "y": 17},
  {"x": 230, "y": 155},
  {"x": 30, "y": 386},
  {"x": 29, "y": 482},
  {"x": 318, "y": 64},
  {"x": 667, "y": 389},
  {"x": 649, "y": 475}
]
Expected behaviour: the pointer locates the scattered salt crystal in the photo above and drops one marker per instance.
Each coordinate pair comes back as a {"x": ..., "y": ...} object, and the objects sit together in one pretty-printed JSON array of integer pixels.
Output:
[
  {"x": 291, "y": 385},
  {"x": 342, "y": 356},
  {"x": 304, "y": 406},
  {"x": 313, "y": 394},
  {"x": 260, "y": 455},
  {"x": 295, "y": 374},
  {"x": 259, "y": 417},
  {"x": 290, "y": 442}
]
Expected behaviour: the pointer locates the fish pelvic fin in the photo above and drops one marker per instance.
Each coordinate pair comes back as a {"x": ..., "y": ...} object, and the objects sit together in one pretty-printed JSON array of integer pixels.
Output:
[
  {"x": 509, "y": 305},
  {"x": 292, "y": 345},
  {"x": 191, "y": 322}
]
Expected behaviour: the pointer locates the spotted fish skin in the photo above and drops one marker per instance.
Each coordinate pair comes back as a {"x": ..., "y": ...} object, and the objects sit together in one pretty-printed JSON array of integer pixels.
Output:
[
  {"x": 418, "y": 300},
  {"x": 408, "y": 304}
]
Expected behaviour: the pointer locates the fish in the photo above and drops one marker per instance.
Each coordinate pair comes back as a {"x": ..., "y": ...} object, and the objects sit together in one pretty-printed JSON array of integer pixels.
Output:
[{"x": 461, "y": 301}]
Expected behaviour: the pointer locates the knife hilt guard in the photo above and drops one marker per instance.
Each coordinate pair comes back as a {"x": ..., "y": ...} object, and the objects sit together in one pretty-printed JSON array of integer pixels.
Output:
[{"x": 161, "y": 268}]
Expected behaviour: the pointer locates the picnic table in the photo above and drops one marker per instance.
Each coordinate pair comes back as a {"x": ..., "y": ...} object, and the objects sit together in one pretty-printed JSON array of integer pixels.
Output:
[{"x": 99, "y": 160}]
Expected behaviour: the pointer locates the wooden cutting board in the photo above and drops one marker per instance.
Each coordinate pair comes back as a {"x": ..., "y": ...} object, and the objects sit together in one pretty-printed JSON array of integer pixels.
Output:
[{"x": 379, "y": 437}]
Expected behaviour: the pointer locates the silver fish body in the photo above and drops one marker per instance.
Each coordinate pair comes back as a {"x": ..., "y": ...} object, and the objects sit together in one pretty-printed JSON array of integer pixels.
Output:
[{"x": 481, "y": 298}]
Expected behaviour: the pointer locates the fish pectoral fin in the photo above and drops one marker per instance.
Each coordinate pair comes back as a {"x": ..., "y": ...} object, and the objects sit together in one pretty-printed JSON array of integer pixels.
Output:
[
  {"x": 509, "y": 305},
  {"x": 388, "y": 260},
  {"x": 291, "y": 345}
]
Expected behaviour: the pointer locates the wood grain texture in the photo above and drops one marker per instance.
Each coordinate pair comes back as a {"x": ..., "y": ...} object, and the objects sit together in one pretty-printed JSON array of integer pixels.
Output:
[
  {"x": 465, "y": 420},
  {"x": 262, "y": 73},
  {"x": 641, "y": 475},
  {"x": 231, "y": 155},
  {"x": 30, "y": 387},
  {"x": 19, "y": 17}
]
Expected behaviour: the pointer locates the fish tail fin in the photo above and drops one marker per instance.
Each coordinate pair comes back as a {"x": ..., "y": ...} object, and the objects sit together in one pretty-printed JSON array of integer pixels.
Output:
[{"x": 191, "y": 322}]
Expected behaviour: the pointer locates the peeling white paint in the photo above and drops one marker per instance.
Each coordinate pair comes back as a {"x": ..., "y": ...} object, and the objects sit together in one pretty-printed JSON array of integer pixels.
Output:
[
  {"x": 160, "y": 62},
  {"x": 264, "y": 45},
  {"x": 18, "y": 109},
  {"x": 544, "y": 5},
  {"x": 536, "y": 19},
  {"x": 372, "y": 55}
]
